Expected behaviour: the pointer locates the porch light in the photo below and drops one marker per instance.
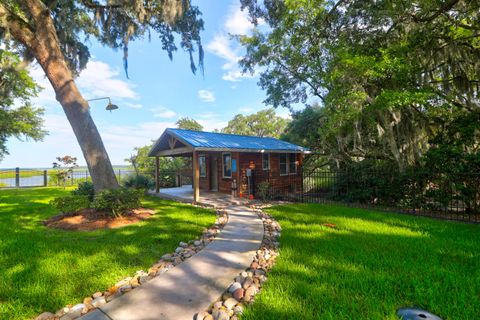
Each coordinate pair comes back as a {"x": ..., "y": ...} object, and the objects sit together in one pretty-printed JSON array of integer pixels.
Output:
[
  {"x": 251, "y": 165},
  {"x": 110, "y": 106}
]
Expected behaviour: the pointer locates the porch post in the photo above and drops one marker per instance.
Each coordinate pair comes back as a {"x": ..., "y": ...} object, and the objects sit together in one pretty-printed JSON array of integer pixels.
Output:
[
  {"x": 196, "y": 177},
  {"x": 157, "y": 174}
]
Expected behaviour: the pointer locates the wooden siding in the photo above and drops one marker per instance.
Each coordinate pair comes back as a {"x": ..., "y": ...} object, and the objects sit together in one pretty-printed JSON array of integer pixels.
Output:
[{"x": 293, "y": 181}]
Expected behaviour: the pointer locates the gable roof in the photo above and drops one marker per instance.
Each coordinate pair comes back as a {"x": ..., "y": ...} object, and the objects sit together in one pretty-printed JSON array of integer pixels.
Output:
[{"x": 189, "y": 140}]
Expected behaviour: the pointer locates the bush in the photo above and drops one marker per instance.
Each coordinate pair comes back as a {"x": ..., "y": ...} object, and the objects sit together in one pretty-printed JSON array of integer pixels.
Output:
[
  {"x": 263, "y": 190},
  {"x": 85, "y": 189},
  {"x": 117, "y": 201},
  {"x": 139, "y": 182},
  {"x": 71, "y": 203}
]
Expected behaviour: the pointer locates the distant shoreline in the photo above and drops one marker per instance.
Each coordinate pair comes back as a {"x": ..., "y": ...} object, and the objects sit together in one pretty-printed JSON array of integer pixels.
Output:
[{"x": 125, "y": 166}]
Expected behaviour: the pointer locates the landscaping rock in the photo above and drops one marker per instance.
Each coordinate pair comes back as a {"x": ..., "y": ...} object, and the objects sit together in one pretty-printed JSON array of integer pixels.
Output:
[
  {"x": 226, "y": 295},
  {"x": 123, "y": 282},
  {"x": 113, "y": 296},
  {"x": 45, "y": 316},
  {"x": 179, "y": 249},
  {"x": 97, "y": 294},
  {"x": 217, "y": 305},
  {"x": 197, "y": 243},
  {"x": 167, "y": 257},
  {"x": 88, "y": 302},
  {"x": 97, "y": 302},
  {"x": 220, "y": 314},
  {"x": 234, "y": 286},
  {"x": 204, "y": 315},
  {"x": 247, "y": 283},
  {"x": 238, "y": 309},
  {"x": 230, "y": 303},
  {"x": 125, "y": 288},
  {"x": 142, "y": 279},
  {"x": 238, "y": 294},
  {"x": 74, "y": 312}
]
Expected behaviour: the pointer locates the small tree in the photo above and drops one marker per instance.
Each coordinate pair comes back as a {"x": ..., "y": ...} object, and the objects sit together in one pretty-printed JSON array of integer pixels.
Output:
[{"x": 64, "y": 169}]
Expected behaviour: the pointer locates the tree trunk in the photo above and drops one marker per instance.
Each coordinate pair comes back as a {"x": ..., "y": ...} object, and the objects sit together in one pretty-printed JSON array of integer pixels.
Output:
[{"x": 45, "y": 47}]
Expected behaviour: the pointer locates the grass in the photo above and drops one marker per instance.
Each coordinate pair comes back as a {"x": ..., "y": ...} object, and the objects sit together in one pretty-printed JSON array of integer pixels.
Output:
[
  {"x": 24, "y": 173},
  {"x": 369, "y": 266},
  {"x": 44, "y": 269}
]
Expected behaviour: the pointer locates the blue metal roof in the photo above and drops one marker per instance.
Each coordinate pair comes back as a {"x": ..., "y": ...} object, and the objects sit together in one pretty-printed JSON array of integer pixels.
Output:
[{"x": 213, "y": 140}]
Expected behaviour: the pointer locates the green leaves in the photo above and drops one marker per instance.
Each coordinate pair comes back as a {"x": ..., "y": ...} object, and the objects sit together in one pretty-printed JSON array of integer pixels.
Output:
[
  {"x": 18, "y": 118},
  {"x": 264, "y": 123},
  {"x": 386, "y": 73}
]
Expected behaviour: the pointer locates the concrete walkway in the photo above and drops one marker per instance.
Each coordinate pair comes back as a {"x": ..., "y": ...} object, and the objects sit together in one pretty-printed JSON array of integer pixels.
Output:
[{"x": 194, "y": 284}]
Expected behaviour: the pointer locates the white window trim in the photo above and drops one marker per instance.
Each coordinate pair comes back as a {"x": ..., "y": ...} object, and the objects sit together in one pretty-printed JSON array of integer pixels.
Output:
[
  {"x": 268, "y": 161},
  {"x": 287, "y": 156},
  {"x": 223, "y": 165},
  {"x": 199, "y": 166}
]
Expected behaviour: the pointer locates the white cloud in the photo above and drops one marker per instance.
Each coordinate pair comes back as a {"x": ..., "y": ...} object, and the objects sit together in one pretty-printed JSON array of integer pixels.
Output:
[
  {"x": 236, "y": 75},
  {"x": 236, "y": 22},
  {"x": 97, "y": 80},
  {"x": 132, "y": 105},
  {"x": 221, "y": 47},
  {"x": 162, "y": 112},
  {"x": 206, "y": 95}
]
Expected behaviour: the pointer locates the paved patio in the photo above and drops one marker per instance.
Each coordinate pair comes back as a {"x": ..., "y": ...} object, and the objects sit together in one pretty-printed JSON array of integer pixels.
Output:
[
  {"x": 194, "y": 284},
  {"x": 185, "y": 194}
]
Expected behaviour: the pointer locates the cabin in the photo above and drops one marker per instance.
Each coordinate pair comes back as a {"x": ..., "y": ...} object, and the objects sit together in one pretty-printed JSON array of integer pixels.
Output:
[{"x": 230, "y": 163}]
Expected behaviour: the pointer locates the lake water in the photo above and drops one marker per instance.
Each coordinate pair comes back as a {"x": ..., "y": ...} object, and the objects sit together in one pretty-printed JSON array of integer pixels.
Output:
[{"x": 33, "y": 181}]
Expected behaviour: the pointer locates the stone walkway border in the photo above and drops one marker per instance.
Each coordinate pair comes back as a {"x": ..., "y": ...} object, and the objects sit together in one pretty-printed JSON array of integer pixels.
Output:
[
  {"x": 192, "y": 286},
  {"x": 248, "y": 283}
]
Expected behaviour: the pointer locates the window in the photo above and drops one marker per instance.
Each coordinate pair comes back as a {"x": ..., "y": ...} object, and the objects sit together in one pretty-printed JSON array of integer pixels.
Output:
[
  {"x": 227, "y": 165},
  {"x": 288, "y": 163},
  {"x": 202, "y": 163},
  {"x": 292, "y": 165},
  {"x": 266, "y": 161},
  {"x": 283, "y": 164}
]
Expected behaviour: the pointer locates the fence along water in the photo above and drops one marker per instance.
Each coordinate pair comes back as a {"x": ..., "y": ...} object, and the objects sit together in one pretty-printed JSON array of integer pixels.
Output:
[{"x": 27, "y": 177}]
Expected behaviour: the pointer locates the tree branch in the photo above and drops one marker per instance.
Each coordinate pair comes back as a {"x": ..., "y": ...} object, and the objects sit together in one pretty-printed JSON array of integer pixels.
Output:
[
  {"x": 93, "y": 5},
  {"x": 446, "y": 7},
  {"x": 301, "y": 78},
  {"x": 20, "y": 30}
]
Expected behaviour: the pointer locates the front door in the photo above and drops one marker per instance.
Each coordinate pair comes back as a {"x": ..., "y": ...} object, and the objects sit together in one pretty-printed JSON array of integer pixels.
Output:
[{"x": 214, "y": 174}]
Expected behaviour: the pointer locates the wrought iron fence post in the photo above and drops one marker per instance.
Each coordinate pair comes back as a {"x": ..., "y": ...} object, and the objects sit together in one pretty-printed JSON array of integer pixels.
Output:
[
  {"x": 301, "y": 184},
  {"x": 17, "y": 177}
]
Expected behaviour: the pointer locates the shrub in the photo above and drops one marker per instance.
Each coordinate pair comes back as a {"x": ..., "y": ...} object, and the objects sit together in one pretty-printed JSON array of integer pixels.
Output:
[
  {"x": 139, "y": 181},
  {"x": 117, "y": 201},
  {"x": 85, "y": 189},
  {"x": 263, "y": 188},
  {"x": 71, "y": 203}
]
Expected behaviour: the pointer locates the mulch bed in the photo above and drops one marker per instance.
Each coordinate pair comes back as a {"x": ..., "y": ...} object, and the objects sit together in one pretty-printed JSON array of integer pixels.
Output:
[{"x": 91, "y": 219}]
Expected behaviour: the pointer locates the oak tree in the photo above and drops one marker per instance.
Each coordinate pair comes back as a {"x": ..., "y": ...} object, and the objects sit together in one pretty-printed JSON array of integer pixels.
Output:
[{"x": 53, "y": 33}]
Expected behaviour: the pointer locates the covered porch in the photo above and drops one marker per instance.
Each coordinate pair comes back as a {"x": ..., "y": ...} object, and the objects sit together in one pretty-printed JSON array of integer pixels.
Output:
[{"x": 186, "y": 194}]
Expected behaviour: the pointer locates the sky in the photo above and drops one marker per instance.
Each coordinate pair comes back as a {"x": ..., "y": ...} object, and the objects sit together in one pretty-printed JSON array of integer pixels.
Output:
[{"x": 157, "y": 93}]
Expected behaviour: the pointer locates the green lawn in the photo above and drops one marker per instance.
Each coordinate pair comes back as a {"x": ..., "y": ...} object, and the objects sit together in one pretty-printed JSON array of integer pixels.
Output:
[
  {"x": 372, "y": 264},
  {"x": 43, "y": 269}
]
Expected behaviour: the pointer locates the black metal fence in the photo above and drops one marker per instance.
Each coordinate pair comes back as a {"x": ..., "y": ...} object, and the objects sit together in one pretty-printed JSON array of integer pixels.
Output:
[
  {"x": 437, "y": 194},
  {"x": 27, "y": 177}
]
